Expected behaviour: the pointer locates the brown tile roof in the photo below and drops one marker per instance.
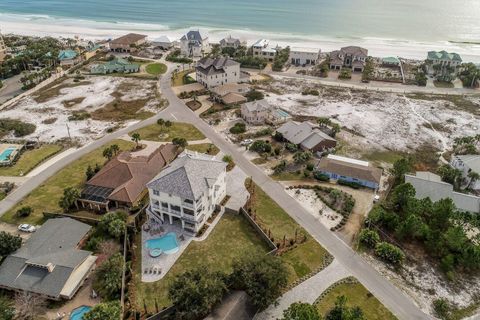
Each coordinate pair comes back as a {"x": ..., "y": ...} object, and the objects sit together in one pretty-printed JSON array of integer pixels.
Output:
[
  {"x": 128, "y": 174},
  {"x": 348, "y": 169},
  {"x": 129, "y": 39},
  {"x": 233, "y": 98}
]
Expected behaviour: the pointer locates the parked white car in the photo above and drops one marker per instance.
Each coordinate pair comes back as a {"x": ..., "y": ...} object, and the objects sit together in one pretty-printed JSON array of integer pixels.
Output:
[
  {"x": 376, "y": 198},
  {"x": 246, "y": 142},
  {"x": 27, "y": 228}
]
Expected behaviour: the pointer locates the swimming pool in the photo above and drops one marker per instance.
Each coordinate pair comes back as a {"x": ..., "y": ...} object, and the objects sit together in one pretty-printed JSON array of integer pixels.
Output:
[
  {"x": 4, "y": 156},
  {"x": 77, "y": 314},
  {"x": 282, "y": 113},
  {"x": 168, "y": 243}
]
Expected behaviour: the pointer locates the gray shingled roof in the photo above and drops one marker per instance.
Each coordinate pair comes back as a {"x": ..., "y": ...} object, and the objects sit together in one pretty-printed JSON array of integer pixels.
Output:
[
  {"x": 54, "y": 243},
  {"x": 193, "y": 35},
  {"x": 303, "y": 133},
  {"x": 210, "y": 66},
  {"x": 189, "y": 176},
  {"x": 257, "y": 105}
]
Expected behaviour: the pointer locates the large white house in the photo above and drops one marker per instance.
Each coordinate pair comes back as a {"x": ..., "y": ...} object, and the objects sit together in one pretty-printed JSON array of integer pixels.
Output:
[
  {"x": 217, "y": 72},
  {"x": 466, "y": 164},
  {"x": 193, "y": 44},
  {"x": 304, "y": 56},
  {"x": 262, "y": 48},
  {"x": 188, "y": 190}
]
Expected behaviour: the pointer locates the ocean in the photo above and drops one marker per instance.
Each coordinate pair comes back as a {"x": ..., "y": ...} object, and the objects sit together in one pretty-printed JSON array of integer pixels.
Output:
[{"x": 406, "y": 28}]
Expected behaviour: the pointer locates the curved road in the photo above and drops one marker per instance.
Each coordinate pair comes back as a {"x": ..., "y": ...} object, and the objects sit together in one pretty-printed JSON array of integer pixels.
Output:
[{"x": 392, "y": 297}]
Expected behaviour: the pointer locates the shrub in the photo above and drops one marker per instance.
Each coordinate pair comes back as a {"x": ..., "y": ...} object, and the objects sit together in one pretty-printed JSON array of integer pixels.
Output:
[
  {"x": 369, "y": 237},
  {"x": 18, "y": 127},
  {"x": 254, "y": 95},
  {"x": 9, "y": 243},
  {"x": 310, "y": 166},
  {"x": 311, "y": 92},
  {"x": 79, "y": 116},
  {"x": 252, "y": 62},
  {"x": 441, "y": 307},
  {"x": 389, "y": 253},
  {"x": 108, "y": 277},
  {"x": 261, "y": 146},
  {"x": 24, "y": 212},
  {"x": 291, "y": 147},
  {"x": 105, "y": 311},
  {"x": 345, "y": 73},
  {"x": 238, "y": 128},
  {"x": 175, "y": 56},
  {"x": 321, "y": 176},
  {"x": 280, "y": 59},
  {"x": 350, "y": 184}
]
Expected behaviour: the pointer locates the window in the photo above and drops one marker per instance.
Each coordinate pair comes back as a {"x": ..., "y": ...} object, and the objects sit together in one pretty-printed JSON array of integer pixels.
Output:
[
  {"x": 156, "y": 192},
  {"x": 164, "y": 205},
  {"x": 175, "y": 208}
]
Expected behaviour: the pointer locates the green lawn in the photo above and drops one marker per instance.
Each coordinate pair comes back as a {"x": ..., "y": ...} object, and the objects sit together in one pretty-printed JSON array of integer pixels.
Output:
[
  {"x": 304, "y": 258},
  {"x": 156, "y": 68},
  {"x": 47, "y": 195},
  {"x": 155, "y": 132},
  {"x": 29, "y": 159},
  {"x": 231, "y": 238},
  {"x": 207, "y": 148},
  {"x": 181, "y": 78},
  {"x": 357, "y": 295}
]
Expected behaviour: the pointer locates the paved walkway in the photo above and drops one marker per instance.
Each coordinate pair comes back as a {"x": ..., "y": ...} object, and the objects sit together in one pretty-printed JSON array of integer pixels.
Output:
[
  {"x": 307, "y": 291},
  {"x": 17, "y": 180}
]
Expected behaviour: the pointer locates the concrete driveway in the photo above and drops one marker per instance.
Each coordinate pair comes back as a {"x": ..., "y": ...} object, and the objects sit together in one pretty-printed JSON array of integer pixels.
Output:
[{"x": 11, "y": 228}]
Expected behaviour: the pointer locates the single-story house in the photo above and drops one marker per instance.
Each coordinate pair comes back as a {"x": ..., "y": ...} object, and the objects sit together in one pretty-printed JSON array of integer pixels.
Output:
[
  {"x": 231, "y": 93},
  {"x": 429, "y": 185},
  {"x": 163, "y": 42},
  {"x": 127, "y": 43},
  {"x": 304, "y": 56},
  {"x": 68, "y": 57},
  {"x": 351, "y": 170},
  {"x": 121, "y": 182},
  {"x": 307, "y": 136},
  {"x": 116, "y": 65},
  {"x": 466, "y": 164},
  {"x": 50, "y": 263}
]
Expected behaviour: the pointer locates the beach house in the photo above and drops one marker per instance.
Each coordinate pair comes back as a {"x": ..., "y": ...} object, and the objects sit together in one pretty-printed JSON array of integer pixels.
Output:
[
  {"x": 51, "y": 262},
  {"x": 128, "y": 42},
  {"x": 163, "y": 42},
  {"x": 231, "y": 93},
  {"x": 212, "y": 72},
  {"x": 442, "y": 63},
  {"x": 188, "y": 191},
  {"x": 230, "y": 42},
  {"x": 193, "y": 44},
  {"x": 116, "y": 65},
  {"x": 307, "y": 136},
  {"x": 350, "y": 170},
  {"x": 262, "y": 48},
  {"x": 467, "y": 164},
  {"x": 304, "y": 56},
  {"x": 429, "y": 185},
  {"x": 121, "y": 182},
  {"x": 349, "y": 57},
  {"x": 68, "y": 57}
]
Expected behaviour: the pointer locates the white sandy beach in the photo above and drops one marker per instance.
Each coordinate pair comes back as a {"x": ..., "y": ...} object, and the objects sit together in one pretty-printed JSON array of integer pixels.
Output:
[{"x": 42, "y": 25}]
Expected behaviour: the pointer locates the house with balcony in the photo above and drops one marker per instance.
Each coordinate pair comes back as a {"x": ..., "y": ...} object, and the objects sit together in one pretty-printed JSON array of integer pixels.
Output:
[
  {"x": 263, "y": 49},
  {"x": 349, "y": 57},
  {"x": 127, "y": 43},
  {"x": 217, "y": 72},
  {"x": 193, "y": 44},
  {"x": 443, "y": 64},
  {"x": 304, "y": 56},
  {"x": 188, "y": 190}
]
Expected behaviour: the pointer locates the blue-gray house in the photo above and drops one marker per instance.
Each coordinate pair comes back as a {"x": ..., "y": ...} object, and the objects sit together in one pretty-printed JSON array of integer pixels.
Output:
[{"x": 351, "y": 170}]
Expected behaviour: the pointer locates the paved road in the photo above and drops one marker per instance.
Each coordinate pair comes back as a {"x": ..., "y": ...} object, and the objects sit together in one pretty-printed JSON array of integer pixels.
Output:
[
  {"x": 386, "y": 292},
  {"x": 308, "y": 291}
]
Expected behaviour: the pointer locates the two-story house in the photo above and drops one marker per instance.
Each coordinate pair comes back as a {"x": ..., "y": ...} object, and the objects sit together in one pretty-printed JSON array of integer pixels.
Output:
[
  {"x": 217, "y": 72},
  {"x": 304, "y": 56},
  {"x": 188, "y": 190},
  {"x": 230, "y": 42},
  {"x": 439, "y": 62},
  {"x": 350, "y": 57},
  {"x": 193, "y": 44}
]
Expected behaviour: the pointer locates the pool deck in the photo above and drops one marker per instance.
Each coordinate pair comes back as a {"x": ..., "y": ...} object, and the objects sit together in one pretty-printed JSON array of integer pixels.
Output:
[
  {"x": 5, "y": 146},
  {"x": 164, "y": 262}
]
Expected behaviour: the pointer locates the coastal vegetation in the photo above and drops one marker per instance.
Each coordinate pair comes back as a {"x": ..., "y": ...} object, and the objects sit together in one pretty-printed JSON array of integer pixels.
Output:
[
  {"x": 280, "y": 59},
  {"x": 158, "y": 132}
]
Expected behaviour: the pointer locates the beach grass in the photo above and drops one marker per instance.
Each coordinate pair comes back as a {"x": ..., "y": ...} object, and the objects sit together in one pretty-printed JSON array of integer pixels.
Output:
[
  {"x": 156, "y": 132},
  {"x": 45, "y": 198},
  {"x": 29, "y": 159},
  {"x": 357, "y": 295},
  {"x": 231, "y": 238}
]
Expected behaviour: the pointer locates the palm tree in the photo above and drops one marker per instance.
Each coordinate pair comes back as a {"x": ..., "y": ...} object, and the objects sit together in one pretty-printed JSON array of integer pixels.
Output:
[
  {"x": 168, "y": 123},
  {"x": 115, "y": 149},
  {"x": 136, "y": 138},
  {"x": 323, "y": 121},
  {"x": 474, "y": 176},
  {"x": 108, "y": 153}
]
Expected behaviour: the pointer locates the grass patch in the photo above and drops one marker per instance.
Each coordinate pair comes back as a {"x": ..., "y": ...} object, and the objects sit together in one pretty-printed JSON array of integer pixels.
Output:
[
  {"x": 383, "y": 156},
  {"x": 443, "y": 84},
  {"x": 290, "y": 176},
  {"x": 155, "y": 132},
  {"x": 156, "y": 68},
  {"x": 259, "y": 161},
  {"x": 231, "y": 238},
  {"x": 54, "y": 90},
  {"x": 47, "y": 195},
  {"x": 208, "y": 148},
  {"x": 30, "y": 159},
  {"x": 357, "y": 295},
  {"x": 301, "y": 259},
  {"x": 182, "y": 78}
]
